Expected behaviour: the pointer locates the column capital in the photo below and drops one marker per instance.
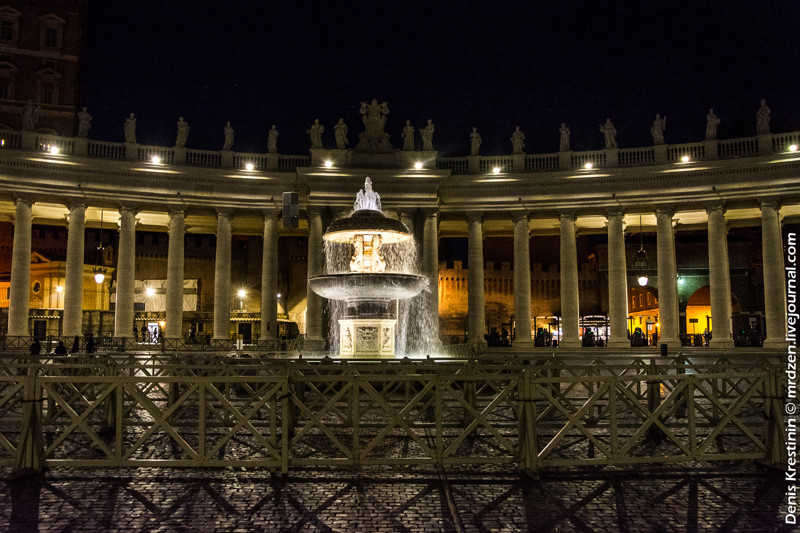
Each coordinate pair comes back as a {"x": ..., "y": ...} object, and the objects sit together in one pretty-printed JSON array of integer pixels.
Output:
[
  {"x": 128, "y": 207},
  {"x": 516, "y": 216},
  {"x": 665, "y": 211},
  {"x": 23, "y": 200},
  {"x": 473, "y": 216},
  {"x": 774, "y": 203},
  {"x": 716, "y": 206},
  {"x": 177, "y": 211},
  {"x": 225, "y": 212},
  {"x": 271, "y": 213},
  {"x": 568, "y": 214},
  {"x": 615, "y": 212},
  {"x": 75, "y": 202}
]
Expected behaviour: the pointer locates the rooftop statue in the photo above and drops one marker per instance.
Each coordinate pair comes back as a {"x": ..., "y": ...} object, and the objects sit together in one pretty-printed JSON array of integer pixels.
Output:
[
  {"x": 30, "y": 116},
  {"x": 367, "y": 198},
  {"x": 84, "y": 123},
  {"x": 658, "y": 128},
  {"x": 610, "y": 133},
  {"x": 374, "y": 119},
  {"x": 272, "y": 140},
  {"x": 427, "y": 136},
  {"x": 228, "y": 144},
  {"x": 340, "y": 133},
  {"x": 130, "y": 129},
  {"x": 762, "y": 118},
  {"x": 711, "y": 125},
  {"x": 564, "y": 130},
  {"x": 518, "y": 141},
  {"x": 183, "y": 133},
  {"x": 315, "y": 132},
  {"x": 408, "y": 136},
  {"x": 474, "y": 142}
]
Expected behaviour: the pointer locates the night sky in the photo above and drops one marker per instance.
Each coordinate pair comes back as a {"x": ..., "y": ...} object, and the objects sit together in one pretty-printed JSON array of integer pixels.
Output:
[{"x": 492, "y": 65}]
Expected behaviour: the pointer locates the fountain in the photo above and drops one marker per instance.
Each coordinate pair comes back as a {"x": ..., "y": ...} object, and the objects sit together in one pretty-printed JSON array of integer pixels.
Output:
[{"x": 367, "y": 325}]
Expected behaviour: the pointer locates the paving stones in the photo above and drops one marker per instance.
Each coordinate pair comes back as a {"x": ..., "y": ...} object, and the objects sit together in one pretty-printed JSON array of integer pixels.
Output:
[{"x": 724, "y": 497}]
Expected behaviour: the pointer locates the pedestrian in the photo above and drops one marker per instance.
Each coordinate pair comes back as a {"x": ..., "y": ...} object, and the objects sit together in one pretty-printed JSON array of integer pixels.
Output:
[
  {"x": 36, "y": 347},
  {"x": 61, "y": 349},
  {"x": 90, "y": 346},
  {"x": 76, "y": 345}
]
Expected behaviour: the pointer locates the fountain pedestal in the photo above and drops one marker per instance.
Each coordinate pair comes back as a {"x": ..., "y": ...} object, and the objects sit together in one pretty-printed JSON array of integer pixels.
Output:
[{"x": 365, "y": 337}]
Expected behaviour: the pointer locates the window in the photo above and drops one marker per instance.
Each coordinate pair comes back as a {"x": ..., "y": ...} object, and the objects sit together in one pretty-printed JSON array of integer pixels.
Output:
[
  {"x": 648, "y": 298},
  {"x": 633, "y": 302},
  {"x": 49, "y": 93},
  {"x": 50, "y": 38},
  {"x": 6, "y": 30},
  {"x": 138, "y": 307},
  {"x": 52, "y": 32},
  {"x": 5, "y": 88},
  {"x": 641, "y": 300}
]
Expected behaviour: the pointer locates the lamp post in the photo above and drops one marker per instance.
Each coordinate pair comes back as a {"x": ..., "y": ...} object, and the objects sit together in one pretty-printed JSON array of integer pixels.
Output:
[{"x": 640, "y": 259}]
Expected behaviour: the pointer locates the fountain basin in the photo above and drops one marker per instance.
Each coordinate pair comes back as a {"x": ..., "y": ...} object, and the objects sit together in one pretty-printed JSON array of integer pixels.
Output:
[
  {"x": 367, "y": 286},
  {"x": 367, "y": 222}
]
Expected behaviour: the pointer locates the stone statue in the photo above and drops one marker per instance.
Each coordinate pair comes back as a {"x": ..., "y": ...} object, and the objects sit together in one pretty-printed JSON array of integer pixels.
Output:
[
  {"x": 374, "y": 119},
  {"x": 762, "y": 118},
  {"x": 130, "y": 129},
  {"x": 272, "y": 140},
  {"x": 427, "y": 136},
  {"x": 30, "y": 116},
  {"x": 474, "y": 142},
  {"x": 711, "y": 125},
  {"x": 315, "y": 132},
  {"x": 610, "y": 133},
  {"x": 84, "y": 123},
  {"x": 517, "y": 141},
  {"x": 564, "y": 130},
  {"x": 183, "y": 133},
  {"x": 408, "y": 136},
  {"x": 228, "y": 144},
  {"x": 340, "y": 133},
  {"x": 658, "y": 128}
]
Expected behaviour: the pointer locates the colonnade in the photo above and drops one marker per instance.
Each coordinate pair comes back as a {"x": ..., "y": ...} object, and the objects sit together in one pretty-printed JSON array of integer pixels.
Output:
[{"x": 719, "y": 275}]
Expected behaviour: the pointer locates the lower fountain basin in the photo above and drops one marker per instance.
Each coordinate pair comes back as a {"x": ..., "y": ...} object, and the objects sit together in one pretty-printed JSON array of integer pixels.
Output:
[{"x": 370, "y": 285}]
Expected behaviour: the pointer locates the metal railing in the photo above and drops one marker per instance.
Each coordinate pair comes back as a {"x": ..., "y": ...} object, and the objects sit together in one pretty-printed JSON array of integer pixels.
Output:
[{"x": 532, "y": 412}]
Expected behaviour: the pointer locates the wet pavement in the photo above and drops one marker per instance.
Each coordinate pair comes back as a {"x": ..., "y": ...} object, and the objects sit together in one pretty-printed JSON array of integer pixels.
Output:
[{"x": 709, "y": 497}]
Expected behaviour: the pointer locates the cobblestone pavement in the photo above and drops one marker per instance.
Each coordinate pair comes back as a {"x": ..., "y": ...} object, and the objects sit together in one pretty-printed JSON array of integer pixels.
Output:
[{"x": 729, "y": 497}]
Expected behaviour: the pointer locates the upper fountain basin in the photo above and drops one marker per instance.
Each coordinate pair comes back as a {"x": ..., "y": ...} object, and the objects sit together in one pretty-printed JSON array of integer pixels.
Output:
[
  {"x": 367, "y": 222},
  {"x": 364, "y": 286}
]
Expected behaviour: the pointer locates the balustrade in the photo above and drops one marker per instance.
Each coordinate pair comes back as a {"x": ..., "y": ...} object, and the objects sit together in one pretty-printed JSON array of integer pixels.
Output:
[
  {"x": 541, "y": 162},
  {"x": 106, "y": 150},
  {"x": 738, "y": 147},
  {"x": 203, "y": 158}
]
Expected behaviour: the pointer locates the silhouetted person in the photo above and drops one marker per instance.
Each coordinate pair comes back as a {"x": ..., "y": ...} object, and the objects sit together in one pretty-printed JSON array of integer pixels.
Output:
[
  {"x": 61, "y": 349},
  {"x": 76, "y": 345},
  {"x": 144, "y": 333},
  {"x": 36, "y": 347},
  {"x": 90, "y": 345}
]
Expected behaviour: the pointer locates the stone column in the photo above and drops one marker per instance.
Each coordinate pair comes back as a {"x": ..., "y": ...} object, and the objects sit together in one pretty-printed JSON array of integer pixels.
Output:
[
  {"x": 522, "y": 281},
  {"x": 175, "y": 275},
  {"x": 719, "y": 279},
  {"x": 617, "y": 282},
  {"x": 126, "y": 273},
  {"x": 73, "y": 280},
  {"x": 314, "y": 336},
  {"x": 269, "y": 277},
  {"x": 222, "y": 277},
  {"x": 570, "y": 307},
  {"x": 21, "y": 270},
  {"x": 667, "y": 280},
  {"x": 476, "y": 303},
  {"x": 774, "y": 276},
  {"x": 430, "y": 265}
]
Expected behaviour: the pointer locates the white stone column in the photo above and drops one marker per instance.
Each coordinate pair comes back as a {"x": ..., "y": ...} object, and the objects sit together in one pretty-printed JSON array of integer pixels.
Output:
[
  {"x": 570, "y": 306},
  {"x": 269, "y": 277},
  {"x": 774, "y": 276},
  {"x": 407, "y": 218},
  {"x": 719, "y": 279},
  {"x": 126, "y": 273},
  {"x": 430, "y": 265},
  {"x": 19, "y": 300},
  {"x": 667, "y": 280},
  {"x": 617, "y": 282},
  {"x": 522, "y": 281},
  {"x": 222, "y": 277},
  {"x": 73, "y": 280},
  {"x": 314, "y": 336},
  {"x": 175, "y": 274},
  {"x": 476, "y": 303}
]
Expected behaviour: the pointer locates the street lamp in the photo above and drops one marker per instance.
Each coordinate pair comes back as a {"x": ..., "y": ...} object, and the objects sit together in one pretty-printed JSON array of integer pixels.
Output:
[
  {"x": 99, "y": 272},
  {"x": 640, "y": 259}
]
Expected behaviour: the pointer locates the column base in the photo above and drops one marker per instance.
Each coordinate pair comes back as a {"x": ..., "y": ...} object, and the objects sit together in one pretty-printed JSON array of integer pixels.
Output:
[
  {"x": 619, "y": 343},
  {"x": 720, "y": 343},
  {"x": 673, "y": 345},
  {"x": 523, "y": 345},
  {"x": 777, "y": 344},
  {"x": 570, "y": 344}
]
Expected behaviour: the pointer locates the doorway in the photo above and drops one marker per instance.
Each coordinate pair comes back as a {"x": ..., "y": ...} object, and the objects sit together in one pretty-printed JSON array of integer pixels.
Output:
[{"x": 246, "y": 332}]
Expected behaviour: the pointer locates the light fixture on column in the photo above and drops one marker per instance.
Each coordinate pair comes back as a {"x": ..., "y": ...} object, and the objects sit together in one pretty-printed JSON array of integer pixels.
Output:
[
  {"x": 640, "y": 259},
  {"x": 99, "y": 272}
]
